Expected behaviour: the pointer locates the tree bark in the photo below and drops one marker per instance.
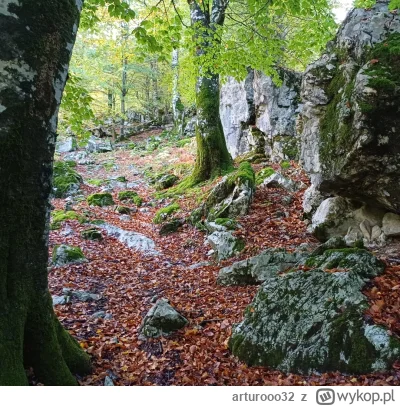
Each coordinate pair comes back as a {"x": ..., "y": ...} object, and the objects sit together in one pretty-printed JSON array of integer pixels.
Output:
[
  {"x": 178, "y": 109},
  {"x": 213, "y": 157},
  {"x": 35, "y": 48}
]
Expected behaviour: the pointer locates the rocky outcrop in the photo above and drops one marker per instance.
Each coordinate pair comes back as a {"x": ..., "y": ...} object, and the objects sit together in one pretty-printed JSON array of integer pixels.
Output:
[
  {"x": 350, "y": 142},
  {"x": 258, "y": 115},
  {"x": 312, "y": 320}
]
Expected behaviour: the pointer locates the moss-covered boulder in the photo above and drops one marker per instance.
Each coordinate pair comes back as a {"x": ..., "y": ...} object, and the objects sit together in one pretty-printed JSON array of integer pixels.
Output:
[
  {"x": 230, "y": 198},
  {"x": 67, "y": 254},
  {"x": 92, "y": 234},
  {"x": 312, "y": 320},
  {"x": 162, "y": 319},
  {"x": 166, "y": 181},
  {"x": 59, "y": 216},
  {"x": 130, "y": 196},
  {"x": 66, "y": 181},
  {"x": 263, "y": 174},
  {"x": 100, "y": 199},
  {"x": 165, "y": 213},
  {"x": 123, "y": 210},
  {"x": 171, "y": 226}
]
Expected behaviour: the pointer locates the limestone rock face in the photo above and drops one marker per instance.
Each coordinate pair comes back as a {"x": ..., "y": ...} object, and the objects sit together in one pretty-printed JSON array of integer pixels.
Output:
[
  {"x": 257, "y": 115},
  {"x": 350, "y": 138},
  {"x": 308, "y": 321},
  {"x": 67, "y": 145},
  {"x": 98, "y": 145}
]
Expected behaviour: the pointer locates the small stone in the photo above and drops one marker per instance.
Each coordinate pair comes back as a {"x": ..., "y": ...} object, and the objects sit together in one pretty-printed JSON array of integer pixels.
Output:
[
  {"x": 161, "y": 319},
  {"x": 60, "y": 300},
  {"x": 108, "y": 381},
  {"x": 99, "y": 315}
]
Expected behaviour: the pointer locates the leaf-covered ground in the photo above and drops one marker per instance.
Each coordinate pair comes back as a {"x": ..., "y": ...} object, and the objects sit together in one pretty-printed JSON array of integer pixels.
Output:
[{"x": 129, "y": 282}]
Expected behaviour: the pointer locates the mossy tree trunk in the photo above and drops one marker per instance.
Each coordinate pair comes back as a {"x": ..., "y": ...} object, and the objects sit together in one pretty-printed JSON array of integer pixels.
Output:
[
  {"x": 212, "y": 153},
  {"x": 35, "y": 48}
]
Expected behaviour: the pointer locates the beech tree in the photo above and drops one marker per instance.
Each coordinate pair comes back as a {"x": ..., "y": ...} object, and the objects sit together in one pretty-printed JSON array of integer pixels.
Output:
[
  {"x": 37, "y": 40},
  {"x": 37, "y": 37}
]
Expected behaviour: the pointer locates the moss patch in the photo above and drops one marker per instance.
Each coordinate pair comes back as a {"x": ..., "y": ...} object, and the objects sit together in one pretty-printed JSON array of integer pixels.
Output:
[
  {"x": 263, "y": 174},
  {"x": 91, "y": 234},
  {"x": 65, "y": 178},
  {"x": 162, "y": 214},
  {"x": 130, "y": 195},
  {"x": 100, "y": 199},
  {"x": 59, "y": 216}
]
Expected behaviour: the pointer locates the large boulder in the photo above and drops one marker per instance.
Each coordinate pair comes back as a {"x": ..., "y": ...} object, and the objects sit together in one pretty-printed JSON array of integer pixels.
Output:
[
  {"x": 350, "y": 143},
  {"x": 312, "y": 320},
  {"x": 259, "y": 115}
]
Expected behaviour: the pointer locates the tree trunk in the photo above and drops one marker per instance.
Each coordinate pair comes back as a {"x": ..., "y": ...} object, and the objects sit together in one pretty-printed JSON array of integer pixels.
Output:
[
  {"x": 178, "y": 109},
  {"x": 35, "y": 48},
  {"x": 213, "y": 157}
]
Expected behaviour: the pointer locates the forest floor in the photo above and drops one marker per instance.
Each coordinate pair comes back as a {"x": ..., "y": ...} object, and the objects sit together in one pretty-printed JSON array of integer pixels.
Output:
[{"x": 129, "y": 282}]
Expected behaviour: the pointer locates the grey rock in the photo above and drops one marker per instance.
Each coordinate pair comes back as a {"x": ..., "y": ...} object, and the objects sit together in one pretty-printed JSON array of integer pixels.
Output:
[
  {"x": 131, "y": 239},
  {"x": 258, "y": 115},
  {"x": 162, "y": 319},
  {"x": 225, "y": 244},
  {"x": 276, "y": 180},
  {"x": 199, "y": 265},
  {"x": 60, "y": 300},
  {"x": 307, "y": 322},
  {"x": 349, "y": 137},
  {"x": 67, "y": 254},
  {"x": 98, "y": 145},
  {"x": 99, "y": 315},
  {"x": 256, "y": 270},
  {"x": 67, "y": 145},
  {"x": 391, "y": 225},
  {"x": 108, "y": 381},
  {"x": 81, "y": 295}
]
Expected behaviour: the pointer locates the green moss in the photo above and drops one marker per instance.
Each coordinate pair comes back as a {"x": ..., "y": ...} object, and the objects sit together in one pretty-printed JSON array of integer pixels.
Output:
[
  {"x": 72, "y": 254},
  {"x": 263, "y": 174},
  {"x": 212, "y": 157},
  {"x": 123, "y": 210},
  {"x": 59, "y": 216},
  {"x": 108, "y": 166},
  {"x": 130, "y": 195},
  {"x": 252, "y": 157},
  {"x": 230, "y": 224},
  {"x": 95, "y": 182},
  {"x": 65, "y": 178},
  {"x": 184, "y": 142},
  {"x": 244, "y": 173},
  {"x": 91, "y": 234},
  {"x": 348, "y": 341},
  {"x": 165, "y": 212},
  {"x": 285, "y": 165},
  {"x": 100, "y": 199},
  {"x": 336, "y": 129}
]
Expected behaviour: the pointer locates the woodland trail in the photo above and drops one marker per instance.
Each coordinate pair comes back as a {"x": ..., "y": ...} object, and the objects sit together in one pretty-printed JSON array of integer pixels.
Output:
[{"x": 130, "y": 281}]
